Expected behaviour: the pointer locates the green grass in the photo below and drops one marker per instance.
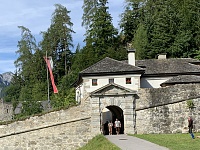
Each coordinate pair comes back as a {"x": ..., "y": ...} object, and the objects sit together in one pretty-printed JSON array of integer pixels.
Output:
[
  {"x": 173, "y": 141},
  {"x": 99, "y": 143}
]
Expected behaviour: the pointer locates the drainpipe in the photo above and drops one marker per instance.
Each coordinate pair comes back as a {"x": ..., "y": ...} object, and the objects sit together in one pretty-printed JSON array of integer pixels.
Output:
[
  {"x": 100, "y": 114},
  {"x": 134, "y": 114}
]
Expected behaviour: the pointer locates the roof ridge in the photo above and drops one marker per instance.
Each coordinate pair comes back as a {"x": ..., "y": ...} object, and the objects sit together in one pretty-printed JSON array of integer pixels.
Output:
[
  {"x": 95, "y": 64},
  {"x": 122, "y": 61}
]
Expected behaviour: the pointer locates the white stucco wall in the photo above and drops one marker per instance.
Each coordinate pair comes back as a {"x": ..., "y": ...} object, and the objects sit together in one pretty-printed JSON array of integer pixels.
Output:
[
  {"x": 153, "y": 82},
  {"x": 86, "y": 86},
  {"x": 104, "y": 80}
]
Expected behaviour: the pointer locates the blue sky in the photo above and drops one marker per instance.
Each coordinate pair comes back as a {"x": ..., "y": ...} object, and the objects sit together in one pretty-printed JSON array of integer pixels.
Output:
[{"x": 36, "y": 16}]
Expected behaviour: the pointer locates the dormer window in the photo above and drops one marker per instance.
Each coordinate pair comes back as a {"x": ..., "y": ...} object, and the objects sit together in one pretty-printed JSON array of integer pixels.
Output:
[
  {"x": 94, "y": 82},
  {"x": 111, "y": 80},
  {"x": 128, "y": 80}
]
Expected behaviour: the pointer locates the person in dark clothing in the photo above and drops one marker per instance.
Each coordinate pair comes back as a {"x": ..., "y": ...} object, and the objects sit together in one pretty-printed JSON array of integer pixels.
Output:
[
  {"x": 190, "y": 126},
  {"x": 106, "y": 132}
]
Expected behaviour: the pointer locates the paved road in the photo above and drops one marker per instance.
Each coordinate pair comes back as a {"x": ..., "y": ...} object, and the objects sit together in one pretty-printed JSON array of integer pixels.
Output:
[{"x": 126, "y": 142}]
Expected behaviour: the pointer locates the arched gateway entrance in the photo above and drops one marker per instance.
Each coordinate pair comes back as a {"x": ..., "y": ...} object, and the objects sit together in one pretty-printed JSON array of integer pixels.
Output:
[
  {"x": 110, "y": 102},
  {"x": 111, "y": 113}
]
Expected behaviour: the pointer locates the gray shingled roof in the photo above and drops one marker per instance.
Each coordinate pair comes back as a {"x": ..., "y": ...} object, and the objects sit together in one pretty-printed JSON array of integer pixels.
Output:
[
  {"x": 169, "y": 66},
  {"x": 111, "y": 66},
  {"x": 182, "y": 79},
  {"x": 147, "y": 67}
]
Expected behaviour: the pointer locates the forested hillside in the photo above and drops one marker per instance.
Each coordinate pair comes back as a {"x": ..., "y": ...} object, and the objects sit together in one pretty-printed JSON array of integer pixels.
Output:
[{"x": 153, "y": 27}]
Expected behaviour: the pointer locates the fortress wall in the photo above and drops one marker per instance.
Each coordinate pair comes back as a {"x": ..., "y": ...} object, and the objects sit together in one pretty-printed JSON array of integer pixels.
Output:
[
  {"x": 165, "y": 110},
  {"x": 65, "y": 129},
  {"x": 6, "y": 111}
]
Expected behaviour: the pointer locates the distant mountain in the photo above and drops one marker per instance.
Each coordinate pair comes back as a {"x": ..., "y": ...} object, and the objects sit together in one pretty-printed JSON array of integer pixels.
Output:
[{"x": 5, "y": 80}]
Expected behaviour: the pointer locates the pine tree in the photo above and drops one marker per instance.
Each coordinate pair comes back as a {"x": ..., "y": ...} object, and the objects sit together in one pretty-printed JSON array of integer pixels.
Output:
[
  {"x": 101, "y": 33},
  {"x": 186, "y": 41},
  {"x": 89, "y": 9},
  {"x": 57, "y": 41},
  {"x": 27, "y": 47},
  {"x": 130, "y": 19},
  {"x": 171, "y": 27},
  {"x": 140, "y": 42}
]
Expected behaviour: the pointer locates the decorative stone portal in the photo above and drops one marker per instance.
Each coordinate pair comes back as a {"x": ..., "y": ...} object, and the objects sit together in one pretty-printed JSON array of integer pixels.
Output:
[{"x": 110, "y": 102}]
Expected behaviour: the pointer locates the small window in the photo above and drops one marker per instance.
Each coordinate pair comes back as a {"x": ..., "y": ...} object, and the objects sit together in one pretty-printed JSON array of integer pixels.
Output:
[
  {"x": 128, "y": 80},
  {"x": 111, "y": 80},
  {"x": 94, "y": 82}
]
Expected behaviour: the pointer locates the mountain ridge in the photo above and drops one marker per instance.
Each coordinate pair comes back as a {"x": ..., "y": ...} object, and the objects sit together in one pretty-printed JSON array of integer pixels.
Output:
[{"x": 5, "y": 79}]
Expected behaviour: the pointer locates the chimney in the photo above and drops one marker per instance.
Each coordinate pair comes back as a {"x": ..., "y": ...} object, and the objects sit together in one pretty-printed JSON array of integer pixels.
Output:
[
  {"x": 131, "y": 56},
  {"x": 162, "y": 56}
]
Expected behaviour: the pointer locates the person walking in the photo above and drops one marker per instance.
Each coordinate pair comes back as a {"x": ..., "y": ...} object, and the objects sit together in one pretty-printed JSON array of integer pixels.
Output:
[
  {"x": 190, "y": 126},
  {"x": 117, "y": 126},
  {"x": 110, "y": 125}
]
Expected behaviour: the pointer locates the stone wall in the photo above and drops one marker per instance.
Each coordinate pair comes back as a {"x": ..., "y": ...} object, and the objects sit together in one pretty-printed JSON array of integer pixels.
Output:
[
  {"x": 165, "y": 110},
  {"x": 66, "y": 129},
  {"x": 6, "y": 111}
]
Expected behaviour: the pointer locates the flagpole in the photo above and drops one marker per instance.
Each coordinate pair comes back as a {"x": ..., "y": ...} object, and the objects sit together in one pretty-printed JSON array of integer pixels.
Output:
[{"x": 47, "y": 81}]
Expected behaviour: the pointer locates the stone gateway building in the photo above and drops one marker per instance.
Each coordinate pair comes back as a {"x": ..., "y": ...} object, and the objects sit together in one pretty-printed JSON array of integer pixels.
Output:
[{"x": 116, "y": 89}]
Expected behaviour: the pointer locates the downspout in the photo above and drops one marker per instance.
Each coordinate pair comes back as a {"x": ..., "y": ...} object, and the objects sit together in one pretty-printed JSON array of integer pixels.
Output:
[
  {"x": 100, "y": 115},
  {"x": 134, "y": 114}
]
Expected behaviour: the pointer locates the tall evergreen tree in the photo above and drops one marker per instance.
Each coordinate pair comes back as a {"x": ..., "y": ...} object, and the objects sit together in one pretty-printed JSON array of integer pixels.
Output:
[
  {"x": 161, "y": 34},
  {"x": 130, "y": 19},
  {"x": 186, "y": 41},
  {"x": 27, "y": 65},
  {"x": 140, "y": 42},
  {"x": 101, "y": 33},
  {"x": 171, "y": 27},
  {"x": 89, "y": 9},
  {"x": 57, "y": 41},
  {"x": 27, "y": 47}
]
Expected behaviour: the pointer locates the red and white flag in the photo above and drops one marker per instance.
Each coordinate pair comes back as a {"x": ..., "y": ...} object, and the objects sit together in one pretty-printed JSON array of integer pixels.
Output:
[{"x": 50, "y": 67}]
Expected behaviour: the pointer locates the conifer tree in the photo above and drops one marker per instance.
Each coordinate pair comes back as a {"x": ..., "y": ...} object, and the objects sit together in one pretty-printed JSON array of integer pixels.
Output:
[
  {"x": 57, "y": 41},
  {"x": 101, "y": 33},
  {"x": 27, "y": 47},
  {"x": 140, "y": 42},
  {"x": 171, "y": 27},
  {"x": 130, "y": 19},
  {"x": 89, "y": 8},
  {"x": 27, "y": 66}
]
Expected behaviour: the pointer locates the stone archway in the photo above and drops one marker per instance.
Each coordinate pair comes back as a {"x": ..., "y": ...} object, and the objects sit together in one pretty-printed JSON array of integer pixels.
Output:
[
  {"x": 117, "y": 114},
  {"x": 111, "y": 113},
  {"x": 119, "y": 101}
]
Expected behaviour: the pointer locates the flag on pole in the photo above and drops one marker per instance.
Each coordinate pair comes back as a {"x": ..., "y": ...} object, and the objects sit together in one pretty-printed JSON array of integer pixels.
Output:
[{"x": 50, "y": 67}]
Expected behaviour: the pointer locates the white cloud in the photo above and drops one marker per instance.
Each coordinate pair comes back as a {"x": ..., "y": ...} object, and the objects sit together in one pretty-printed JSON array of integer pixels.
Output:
[
  {"x": 7, "y": 66},
  {"x": 36, "y": 16}
]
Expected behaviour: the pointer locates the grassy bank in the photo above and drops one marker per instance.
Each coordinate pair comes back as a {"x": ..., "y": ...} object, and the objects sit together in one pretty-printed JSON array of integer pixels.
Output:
[
  {"x": 99, "y": 143},
  {"x": 173, "y": 141}
]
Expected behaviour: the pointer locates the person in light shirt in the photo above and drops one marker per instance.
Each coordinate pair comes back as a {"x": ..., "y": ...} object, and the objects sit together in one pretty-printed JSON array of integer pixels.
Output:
[{"x": 117, "y": 126}]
